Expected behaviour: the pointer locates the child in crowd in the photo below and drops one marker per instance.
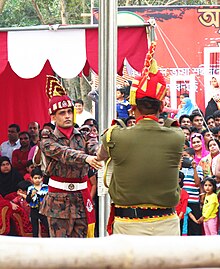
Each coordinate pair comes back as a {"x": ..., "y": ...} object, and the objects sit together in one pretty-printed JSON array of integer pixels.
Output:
[
  {"x": 181, "y": 206},
  {"x": 29, "y": 168},
  {"x": 210, "y": 207},
  {"x": 20, "y": 200},
  {"x": 191, "y": 183},
  {"x": 35, "y": 195},
  {"x": 188, "y": 214},
  {"x": 123, "y": 107}
]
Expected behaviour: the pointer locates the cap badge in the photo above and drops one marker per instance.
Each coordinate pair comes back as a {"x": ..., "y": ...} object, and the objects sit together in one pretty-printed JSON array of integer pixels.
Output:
[{"x": 64, "y": 104}]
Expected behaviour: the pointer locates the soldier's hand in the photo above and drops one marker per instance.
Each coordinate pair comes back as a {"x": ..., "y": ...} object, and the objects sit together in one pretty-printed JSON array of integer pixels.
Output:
[{"x": 93, "y": 161}]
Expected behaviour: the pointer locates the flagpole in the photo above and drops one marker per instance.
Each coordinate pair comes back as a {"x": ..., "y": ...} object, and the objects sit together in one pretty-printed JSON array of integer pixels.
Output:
[{"x": 107, "y": 85}]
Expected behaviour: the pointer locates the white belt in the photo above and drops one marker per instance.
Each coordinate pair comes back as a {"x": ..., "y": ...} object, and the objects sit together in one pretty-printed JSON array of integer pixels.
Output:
[{"x": 67, "y": 186}]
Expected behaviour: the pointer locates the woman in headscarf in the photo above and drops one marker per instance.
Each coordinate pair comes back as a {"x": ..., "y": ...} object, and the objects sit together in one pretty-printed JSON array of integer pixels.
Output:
[
  {"x": 9, "y": 177},
  {"x": 187, "y": 107},
  {"x": 208, "y": 163},
  {"x": 198, "y": 144}
]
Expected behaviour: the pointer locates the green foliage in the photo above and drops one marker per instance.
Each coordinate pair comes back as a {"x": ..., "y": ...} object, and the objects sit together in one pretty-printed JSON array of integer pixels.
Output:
[
  {"x": 18, "y": 13},
  {"x": 22, "y": 12},
  {"x": 75, "y": 9},
  {"x": 50, "y": 11},
  {"x": 164, "y": 2}
]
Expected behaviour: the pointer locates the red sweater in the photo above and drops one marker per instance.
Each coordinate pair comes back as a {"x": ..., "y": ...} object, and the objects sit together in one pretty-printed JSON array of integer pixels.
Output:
[
  {"x": 181, "y": 206},
  {"x": 19, "y": 160}
]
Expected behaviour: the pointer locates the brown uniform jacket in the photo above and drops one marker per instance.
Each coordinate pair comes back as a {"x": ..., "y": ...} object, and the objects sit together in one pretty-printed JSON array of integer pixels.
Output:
[{"x": 66, "y": 157}]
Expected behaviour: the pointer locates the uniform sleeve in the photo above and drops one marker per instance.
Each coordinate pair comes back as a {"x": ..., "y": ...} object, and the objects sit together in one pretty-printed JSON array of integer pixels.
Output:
[
  {"x": 102, "y": 153},
  {"x": 92, "y": 146},
  {"x": 63, "y": 154}
]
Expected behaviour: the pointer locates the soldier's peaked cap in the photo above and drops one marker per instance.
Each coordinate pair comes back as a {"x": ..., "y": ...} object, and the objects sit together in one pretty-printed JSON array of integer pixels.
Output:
[{"x": 58, "y": 98}]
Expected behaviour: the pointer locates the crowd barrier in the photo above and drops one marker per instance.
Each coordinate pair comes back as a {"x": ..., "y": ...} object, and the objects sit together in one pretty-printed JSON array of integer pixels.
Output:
[{"x": 117, "y": 251}]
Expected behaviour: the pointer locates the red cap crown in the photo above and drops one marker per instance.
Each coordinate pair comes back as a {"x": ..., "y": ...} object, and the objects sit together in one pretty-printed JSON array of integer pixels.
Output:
[
  {"x": 151, "y": 83},
  {"x": 57, "y": 95}
]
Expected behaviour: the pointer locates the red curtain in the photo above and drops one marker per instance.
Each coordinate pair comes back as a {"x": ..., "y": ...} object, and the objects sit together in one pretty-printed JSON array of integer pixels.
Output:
[
  {"x": 132, "y": 45},
  {"x": 22, "y": 100},
  {"x": 3, "y": 50}
]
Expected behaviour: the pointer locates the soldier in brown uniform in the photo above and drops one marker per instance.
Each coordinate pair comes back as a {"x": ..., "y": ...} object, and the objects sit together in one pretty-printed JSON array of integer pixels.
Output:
[
  {"x": 68, "y": 205},
  {"x": 145, "y": 157}
]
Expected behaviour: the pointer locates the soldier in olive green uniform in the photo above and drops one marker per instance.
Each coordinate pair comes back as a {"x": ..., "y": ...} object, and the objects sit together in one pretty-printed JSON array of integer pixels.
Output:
[{"x": 144, "y": 185}]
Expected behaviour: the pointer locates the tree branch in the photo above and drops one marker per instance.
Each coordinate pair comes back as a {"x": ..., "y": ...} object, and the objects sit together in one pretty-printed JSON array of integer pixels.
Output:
[
  {"x": 35, "y": 5},
  {"x": 63, "y": 10},
  {"x": 2, "y": 3}
]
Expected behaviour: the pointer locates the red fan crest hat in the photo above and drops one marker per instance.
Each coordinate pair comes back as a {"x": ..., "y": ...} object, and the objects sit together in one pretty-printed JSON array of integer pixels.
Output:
[
  {"x": 58, "y": 98},
  {"x": 151, "y": 82}
]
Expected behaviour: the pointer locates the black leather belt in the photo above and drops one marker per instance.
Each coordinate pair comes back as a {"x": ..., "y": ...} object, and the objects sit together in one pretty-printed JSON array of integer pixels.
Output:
[{"x": 141, "y": 213}]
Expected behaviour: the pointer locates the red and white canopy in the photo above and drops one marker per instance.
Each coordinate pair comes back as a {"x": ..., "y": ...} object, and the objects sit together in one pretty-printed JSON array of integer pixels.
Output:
[
  {"x": 26, "y": 57},
  {"x": 69, "y": 51}
]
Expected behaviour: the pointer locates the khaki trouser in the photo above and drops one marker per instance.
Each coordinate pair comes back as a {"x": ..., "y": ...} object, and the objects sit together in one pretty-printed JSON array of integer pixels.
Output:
[{"x": 170, "y": 226}]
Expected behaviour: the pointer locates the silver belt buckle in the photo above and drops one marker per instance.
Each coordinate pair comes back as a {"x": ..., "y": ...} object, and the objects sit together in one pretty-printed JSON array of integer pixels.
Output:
[
  {"x": 135, "y": 212},
  {"x": 71, "y": 186}
]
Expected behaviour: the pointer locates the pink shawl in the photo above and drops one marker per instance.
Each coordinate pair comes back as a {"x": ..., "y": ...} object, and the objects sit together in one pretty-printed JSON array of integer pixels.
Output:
[{"x": 204, "y": 151}]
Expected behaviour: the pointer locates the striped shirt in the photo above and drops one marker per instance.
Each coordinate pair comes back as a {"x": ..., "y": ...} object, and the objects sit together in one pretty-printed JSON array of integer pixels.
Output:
[{"x": 189, "y": 183}]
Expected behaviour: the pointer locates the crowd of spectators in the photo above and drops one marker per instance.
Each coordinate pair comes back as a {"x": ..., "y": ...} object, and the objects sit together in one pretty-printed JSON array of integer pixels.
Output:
[{"x": 199, "y": 166}]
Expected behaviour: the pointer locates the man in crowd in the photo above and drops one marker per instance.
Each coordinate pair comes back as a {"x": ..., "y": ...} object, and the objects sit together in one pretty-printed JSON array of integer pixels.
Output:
[
  {"x": 33, "y": 130},
  {"x": 197, "y": 121},
  {"x": 216, "y": 116},
  {"x": 210, "y": 122},
  {"x": 20, "y": 156},
  {"x": 68, "y": 205},
  {"x": 13, "y": 141},
  {"x": 144, "y": 185},
  {"x": 184, "y": 120},
  {"x": 81, "y": 113}
]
